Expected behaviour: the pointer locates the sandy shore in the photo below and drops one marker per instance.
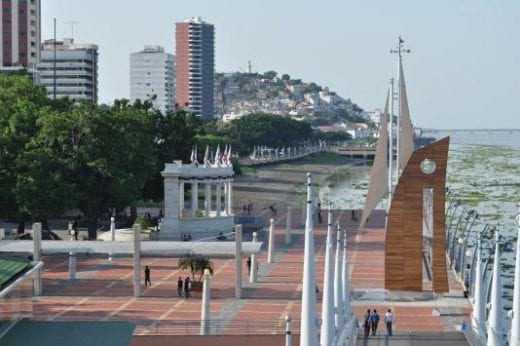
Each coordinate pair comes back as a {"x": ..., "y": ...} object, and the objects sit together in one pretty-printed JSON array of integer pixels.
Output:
[{"x": 283, "y": 184}]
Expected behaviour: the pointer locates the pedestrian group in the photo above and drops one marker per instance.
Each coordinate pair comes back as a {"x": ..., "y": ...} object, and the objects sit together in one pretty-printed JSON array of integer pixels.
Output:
[{"x": 372, "y": 321}]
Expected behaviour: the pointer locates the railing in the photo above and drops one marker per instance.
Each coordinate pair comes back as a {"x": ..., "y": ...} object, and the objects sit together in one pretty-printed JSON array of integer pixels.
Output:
[{"x": 193, "y": 327}]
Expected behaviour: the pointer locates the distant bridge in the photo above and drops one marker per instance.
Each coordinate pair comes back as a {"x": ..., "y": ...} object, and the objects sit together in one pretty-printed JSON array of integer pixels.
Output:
[
  {"x": 367, "y": 153},
  {"x": 424, "y": 130}
]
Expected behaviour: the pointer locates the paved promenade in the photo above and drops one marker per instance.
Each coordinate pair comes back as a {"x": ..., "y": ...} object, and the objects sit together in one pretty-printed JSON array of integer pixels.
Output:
[{"x": 103, "y": 289}]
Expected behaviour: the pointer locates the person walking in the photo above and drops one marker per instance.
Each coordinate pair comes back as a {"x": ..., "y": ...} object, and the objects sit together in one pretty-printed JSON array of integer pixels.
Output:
[
  {"x": 147, "y": 281},
  {"x": 367, "y": 323},
  {"x": 389, "y": 320},
  {"x": 179, "y": 287},
  {"x": 374, "y": 321},
  {"x": 187, "y": 286}
]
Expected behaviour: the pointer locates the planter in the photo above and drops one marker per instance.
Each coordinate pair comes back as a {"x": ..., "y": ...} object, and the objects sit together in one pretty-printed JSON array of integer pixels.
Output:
[{"x": 196, "y": 286}]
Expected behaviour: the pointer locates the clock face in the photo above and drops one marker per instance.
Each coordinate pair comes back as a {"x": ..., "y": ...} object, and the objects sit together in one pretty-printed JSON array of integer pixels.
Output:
[{"x": 428, "y": 166}]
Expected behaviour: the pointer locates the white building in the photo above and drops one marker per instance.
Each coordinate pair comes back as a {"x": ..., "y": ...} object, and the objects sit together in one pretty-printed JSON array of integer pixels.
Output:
[
  {"x": 152, "y": 76},
  {"x": 68, "y": 69}
]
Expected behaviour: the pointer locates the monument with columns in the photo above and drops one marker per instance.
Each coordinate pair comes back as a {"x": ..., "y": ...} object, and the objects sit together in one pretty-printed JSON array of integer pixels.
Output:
[{"x": 207, "y": 211}]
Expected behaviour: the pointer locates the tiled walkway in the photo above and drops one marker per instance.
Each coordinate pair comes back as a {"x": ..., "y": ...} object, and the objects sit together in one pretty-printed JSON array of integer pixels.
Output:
[{"x": 103, "y": 290}]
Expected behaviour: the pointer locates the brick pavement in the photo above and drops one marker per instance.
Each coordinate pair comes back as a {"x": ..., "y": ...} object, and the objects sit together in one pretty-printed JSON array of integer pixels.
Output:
[{"x": 103, "y": 289}]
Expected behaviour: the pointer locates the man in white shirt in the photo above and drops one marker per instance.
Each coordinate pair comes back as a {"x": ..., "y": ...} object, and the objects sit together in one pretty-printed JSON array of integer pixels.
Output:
[{"x": 389, "y": 319}]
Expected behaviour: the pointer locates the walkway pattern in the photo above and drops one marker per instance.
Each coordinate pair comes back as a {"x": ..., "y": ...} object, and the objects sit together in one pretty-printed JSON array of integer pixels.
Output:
[{"x": 103, "y": 290}]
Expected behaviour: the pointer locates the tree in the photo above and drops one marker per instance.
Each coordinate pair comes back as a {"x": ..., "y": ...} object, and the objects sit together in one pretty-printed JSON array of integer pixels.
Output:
[
  {"x": 269, "y": 75},
  {"x": 286, "y": 77},
  {"x": 21, "y": 104},
  {"x": 105, "y": 156},
  {"x": 196, "y": 264}
]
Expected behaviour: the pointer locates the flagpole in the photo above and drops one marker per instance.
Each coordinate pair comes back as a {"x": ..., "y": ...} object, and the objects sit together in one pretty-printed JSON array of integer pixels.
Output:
[
  {"x": 399, "y": 51},
  {"x": 391, "y": 140}
]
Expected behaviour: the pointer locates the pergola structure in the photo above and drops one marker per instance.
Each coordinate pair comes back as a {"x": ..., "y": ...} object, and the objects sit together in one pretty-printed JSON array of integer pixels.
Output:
[{"x": 198, "y": 217}]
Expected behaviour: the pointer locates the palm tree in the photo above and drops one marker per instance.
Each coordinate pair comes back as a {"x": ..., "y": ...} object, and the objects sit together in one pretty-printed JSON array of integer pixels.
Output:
[{"x": 196, "y": 264}]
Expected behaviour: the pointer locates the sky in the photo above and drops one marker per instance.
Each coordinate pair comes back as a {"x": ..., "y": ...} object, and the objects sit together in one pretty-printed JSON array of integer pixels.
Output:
[{"x": 463, "y": 70}]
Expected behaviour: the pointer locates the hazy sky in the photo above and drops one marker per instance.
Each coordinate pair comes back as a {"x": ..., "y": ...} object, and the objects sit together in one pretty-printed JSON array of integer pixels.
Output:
[{"x": 463, "y": 71}]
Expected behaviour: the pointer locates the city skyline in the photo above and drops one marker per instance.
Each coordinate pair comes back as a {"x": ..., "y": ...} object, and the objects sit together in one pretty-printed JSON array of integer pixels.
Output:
[{"x": 461, "y": 72}]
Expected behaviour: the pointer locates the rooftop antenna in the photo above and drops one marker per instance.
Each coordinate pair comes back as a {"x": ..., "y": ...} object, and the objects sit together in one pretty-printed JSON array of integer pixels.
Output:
[{"x": 71, "y": 22}]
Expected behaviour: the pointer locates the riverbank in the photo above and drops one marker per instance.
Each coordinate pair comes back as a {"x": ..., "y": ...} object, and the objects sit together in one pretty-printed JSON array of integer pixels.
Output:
[{"x": 284, "y": 184}]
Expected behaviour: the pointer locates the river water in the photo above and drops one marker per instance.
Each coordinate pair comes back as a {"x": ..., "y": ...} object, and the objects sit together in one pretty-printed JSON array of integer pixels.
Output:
[{"x": 484, "y": 173}]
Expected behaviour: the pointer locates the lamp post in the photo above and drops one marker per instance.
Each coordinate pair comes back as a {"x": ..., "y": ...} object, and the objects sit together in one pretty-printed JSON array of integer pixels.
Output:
[
  {"x": 449, "y": 240},
  {"x": 462, "y": 257},
  {"x": 455, "y": 239},
  {"x": 478, "y": 246}
]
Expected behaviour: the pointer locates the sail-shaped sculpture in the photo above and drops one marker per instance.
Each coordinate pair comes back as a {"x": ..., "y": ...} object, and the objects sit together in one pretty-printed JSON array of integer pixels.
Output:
[
  {"x": 406, "y": 146},
  {"x": 378, "y": 186}
]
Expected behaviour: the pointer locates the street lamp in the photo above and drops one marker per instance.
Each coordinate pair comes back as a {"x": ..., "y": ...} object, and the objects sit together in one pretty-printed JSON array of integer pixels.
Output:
[
  {"x": 467, "y": 218},
  {"x": 462, "y": 260}
]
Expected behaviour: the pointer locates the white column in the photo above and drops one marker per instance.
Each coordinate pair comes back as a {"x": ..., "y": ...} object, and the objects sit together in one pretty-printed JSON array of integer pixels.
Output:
[
  {"x": 253, "y": 272},
  {"x": 226, "y": 192},
  {"x": 219, "y": 198},
  {"x": 288, "y": 333},
  {"x": 327, "y": 304},
  {"x": 137, "y": 260},
  {"x": 72, "y": 265},
  {"x": 270, "y": 250},
  {"x": 495, "y": 328},
  {"x": 113, "y": 236},
  {"x": 207, "y": 198},
  {"x": 37, "y": 257},
  {"x": 181, "y": 198},
  {"x": 338, "y": 281},
  {"x": 288, "y": 226},
  {"x": 238, "y": 261},
  {"x": 205, "y": 312},
  {"x": 308, "y": 335},
  {"x": 478, "y": 316},
  {"x": 194, "y": 198},
  {"x": 345, "y": 277},
  {"x": 515, "y": 323},
  {"x": 230, "y": 196}
]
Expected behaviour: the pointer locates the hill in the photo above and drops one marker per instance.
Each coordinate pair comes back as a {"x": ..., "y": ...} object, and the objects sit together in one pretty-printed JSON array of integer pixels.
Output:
[{"x": 241, "y": 93}]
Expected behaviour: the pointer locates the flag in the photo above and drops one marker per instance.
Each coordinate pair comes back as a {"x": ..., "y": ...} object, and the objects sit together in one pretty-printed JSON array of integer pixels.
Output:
[
  {"x": 224, "y": 155},
  {"x": 195, "y": 156},
  {"x": 192, "y": 156},
  {"x": 206, "y": 156},
  {"x": 217, "y": 155}
]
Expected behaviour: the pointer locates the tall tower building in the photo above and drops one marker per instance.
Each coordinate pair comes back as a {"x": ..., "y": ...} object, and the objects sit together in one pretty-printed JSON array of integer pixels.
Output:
[
  {"x": 152, "y": 73},
  {"x": 21, "y": 30},
  {"x": 76, "y": 72},
  {"x": 195, "y": 63}
]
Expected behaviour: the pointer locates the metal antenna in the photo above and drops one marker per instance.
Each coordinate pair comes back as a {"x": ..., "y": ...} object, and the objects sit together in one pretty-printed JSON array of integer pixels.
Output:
[{"x": 71, "y": 22}]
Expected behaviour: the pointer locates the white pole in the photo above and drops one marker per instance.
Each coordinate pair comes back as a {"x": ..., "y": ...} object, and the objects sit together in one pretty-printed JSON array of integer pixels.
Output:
[
  {"x": 288, "y": 336},
  {"x": 37, "y": 257},
  {"x": 308, "y": 336},
  {"x": 72, "y": 265},
  {"x": 303, "y": 214},
  {"x": 515, "y": 323},
  {"x": 327, "y": 304},
  {"x": 270, "y": 250},
  {"x": 205, "y": 312},
  {"x": 479, "y": 305},
  {"x": 495, "y": 328},
  {"x": 113, "y": 236},
  {"x": 194, "y": 198},
  {"x": 253, "y": 271},
  {"x": 238, "y": 261},
  {"x": 288, "y": 226},
  {"x": 207, "y": 198},
  {"x": 398, "y": 173},
  {"x": 137, "y": 260},
  {"x": 391, "y": 141},
  {"x": 338, "y": 292},
  {"x": 345, "y": 276},
  {"x": 218, "y": 203}
]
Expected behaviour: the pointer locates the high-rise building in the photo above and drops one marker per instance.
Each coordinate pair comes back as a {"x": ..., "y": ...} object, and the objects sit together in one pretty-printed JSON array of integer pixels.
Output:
[
  {"x": 72, "y": 73},
  {"x": 152, "y": 76},
  {"x": 195, "y": 64},
  {"x": 21, "y": 30}
]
